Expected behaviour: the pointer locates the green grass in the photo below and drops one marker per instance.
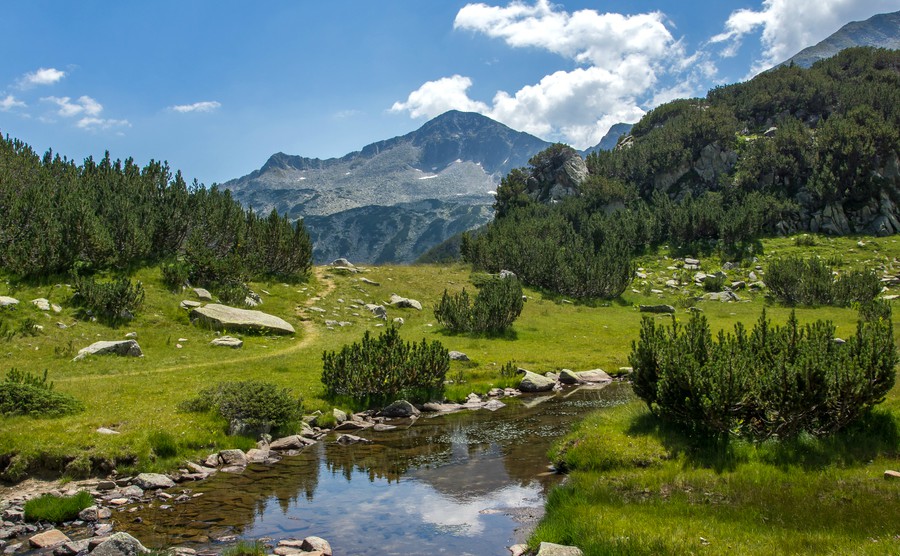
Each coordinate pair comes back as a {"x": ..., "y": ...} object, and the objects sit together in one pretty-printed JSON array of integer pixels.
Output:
[
  {"x": 245, "y": 548},
  {"x": 57, "y": 509},
  {"x": 134, "y": 395}
]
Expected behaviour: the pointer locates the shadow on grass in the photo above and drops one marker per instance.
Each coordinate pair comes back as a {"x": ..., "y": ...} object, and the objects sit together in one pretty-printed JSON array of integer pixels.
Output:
[
  {"x": 509, "y": 335},
  {"x": 876, "y": 434}
]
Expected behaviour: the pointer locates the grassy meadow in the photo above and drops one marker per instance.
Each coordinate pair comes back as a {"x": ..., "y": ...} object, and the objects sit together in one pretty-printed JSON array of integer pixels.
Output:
[{"x": 634, "y": 487}]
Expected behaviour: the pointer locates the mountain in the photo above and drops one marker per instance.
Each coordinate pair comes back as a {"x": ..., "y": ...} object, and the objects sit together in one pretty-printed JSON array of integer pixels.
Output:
[
  {"x": 454, "y": 162},
  {"x": 880, "y": 31},
  {"x": 610, "y": 140}
]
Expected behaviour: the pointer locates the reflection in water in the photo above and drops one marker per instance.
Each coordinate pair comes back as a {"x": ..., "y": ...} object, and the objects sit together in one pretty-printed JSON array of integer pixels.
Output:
[{"x": 451, "y": 484}]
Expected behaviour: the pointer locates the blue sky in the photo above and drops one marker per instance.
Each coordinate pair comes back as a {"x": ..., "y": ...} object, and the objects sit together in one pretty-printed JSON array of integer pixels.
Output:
[{"x": 216, "y": 87}]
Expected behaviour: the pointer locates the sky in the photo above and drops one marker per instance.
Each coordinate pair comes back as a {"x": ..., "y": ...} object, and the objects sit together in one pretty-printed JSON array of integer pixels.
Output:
[{"x": 216, "y": 87}]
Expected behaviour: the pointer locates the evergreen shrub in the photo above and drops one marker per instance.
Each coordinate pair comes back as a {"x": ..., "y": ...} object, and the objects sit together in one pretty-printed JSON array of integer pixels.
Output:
[
  {"x": 255, "y": 404},
  {"x": 495, "y": 308},
  {"x": 776, "y": 381},
  {"x": 383, "y": 368},
  {"x": 110, "y": 301},
  {"x": 24, "y": 393},
  {"x": 795, "y": 281}
]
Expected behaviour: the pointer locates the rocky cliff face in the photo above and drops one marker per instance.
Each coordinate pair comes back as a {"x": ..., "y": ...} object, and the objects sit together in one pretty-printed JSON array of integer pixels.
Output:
[
  {"x": 456, "y": 159},
  {"x": 880, "y": 31}
]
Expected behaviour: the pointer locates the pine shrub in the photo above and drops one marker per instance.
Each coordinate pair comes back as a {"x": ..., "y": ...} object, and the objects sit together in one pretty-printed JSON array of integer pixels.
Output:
[
  {"x": 24, "y": 393},
  {"x": 110, "y": 301},
  {"x": 383, "y": 368},
  {"x": 795, "y": 281},
  {"x": 253, "y": 404},
  {"x": 495, "y": 308},
  {"x": 776, "y": 381}
]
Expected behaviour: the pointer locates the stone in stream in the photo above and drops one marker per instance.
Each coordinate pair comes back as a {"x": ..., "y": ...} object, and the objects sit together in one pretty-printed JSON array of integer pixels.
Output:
[
  {"x": 51, "y": 537},
  {"x": 399, "y": 409},
  {"x": 350, "y": 439},
  {"x": 220, "y": 317},
  {"x": 232, "y": 457},
  {"x": 153, "y": 481},
  {"x": 293, "y": 442},
  {"x": 594, "y": 376},
  {"x": 120, "y": 544},
  {"x": 129, "y": 348},
  {"x": 533, "y": 382},
  {"x": 567, "y": 376},
  {"x": 551, "y": 549}
]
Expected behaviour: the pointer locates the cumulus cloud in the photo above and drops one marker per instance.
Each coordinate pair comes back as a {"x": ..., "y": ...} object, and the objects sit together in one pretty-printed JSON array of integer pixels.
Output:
[
  {"x": 92, "y": 123},
  {"x": 42, "y": 76},
  {"x": 68, "y": 108},
  {"x": 10, "y": 102},
  {"x": 203, "y": 106},
  {"x": 619, "y": 60},
  {"x": 789, "y": 26},
  {"x": 436, "y": 97}
]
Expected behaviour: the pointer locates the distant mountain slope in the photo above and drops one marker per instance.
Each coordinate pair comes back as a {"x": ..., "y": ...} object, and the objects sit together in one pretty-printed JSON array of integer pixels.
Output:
[
  {"x": 611, "y": 139},
  {"x": 880, "y": 31},
  {"x": 374, "y": 205}
]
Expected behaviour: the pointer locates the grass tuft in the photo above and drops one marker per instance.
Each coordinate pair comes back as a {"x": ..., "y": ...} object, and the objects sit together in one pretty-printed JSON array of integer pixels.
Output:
[{"x": 57, "y": 509}]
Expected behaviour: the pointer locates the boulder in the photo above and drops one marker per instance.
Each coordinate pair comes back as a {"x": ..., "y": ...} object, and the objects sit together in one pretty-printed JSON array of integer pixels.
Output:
[
  {"x": 293, "y": 442},
  {"x": 153, "y": 481},
  {"x": 129, "y": 348},
  {"x": 891, "y": 475},
  {"x": 232, "y": 457},
  {"x": 378, "y": 310},
  {"x": 202, "y": 294},
  {"x": 227, "y": 341},
  {"x": 8, "y": 301},
  {"x": 551, "y": 549},
  {"x": 188, "y": 304},
  {"x": 458, "y": 356},
  {"x": 316, "y": 544},
  {"x": 42, "y": 303},
  {"x": 399, "y": 409},
  {"x": 342, "y": 262},
  {"x": 221, "y": 317},
  {"x": 533, "y": 382},
  {"x": 404, "y": 303},
  {"x": 594, "y": 376},
  {"x": 657, "y": 309},
  {"x": 72, "y": 548},
  {"x": 339, "y": 416},
  {"x": 398, "y": 321},
  {"x": 120, "y": 544},
  {"x": 346, "y": 439},
  {"x": 132, "y": 491},
  {"x": 566, "y": 376},
  {"x": 369, "y": 282},
  {"x": 724, "y": 296},
  {"x": 51, "y": 537}
]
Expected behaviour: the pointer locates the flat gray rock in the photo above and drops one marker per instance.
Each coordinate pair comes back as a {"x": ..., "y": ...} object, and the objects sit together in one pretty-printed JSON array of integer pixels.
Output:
[
  {"x": 6, "y": 301},
  {"x": 202, "y": 294},
  {"x": 533, "y": 382},
  {"x": 120, "y": 544},
  {"x": 129, "y": 348},
  {"x": 594, "y": 376},
  {"x": 657, "y": 309},
  {"x": 153, "y": 481},
  {"x": 223, "y": 317},
  {"x": 551, "y": 549},
  {"x": 227, "y": 341}
]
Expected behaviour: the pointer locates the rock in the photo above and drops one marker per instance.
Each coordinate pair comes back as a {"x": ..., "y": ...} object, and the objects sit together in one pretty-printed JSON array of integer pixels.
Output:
[
  {"x": 504, "y": 274},
  {"x": 293, "y": 442},
  {"x": 690, "y": 261},
  {"x": 339, "y": 416},
  {"x": 120, "y": 544},
  {"x": 188, "y": 304},
  {"x": 434, "y": 407},
  {"x": 202, "y": 294},
  {"x": 550, "y": 549},
  {"x": 342, "y": 262},
  {"x": 104, "y": 430},
  {"x": 458, "y": 356},
  {"x": 378, "y": 310},
  {"x": 257, "y": 455},
  {"x": 316, "y": 544},
  {"x": 566, "y": 376},
  {"x": 232, "y": 457},
  {"x": 129, "y": 348},
  {"x": 399, "y": 409},
  {"x": 91, "y": 513},
  {"x": 227, "y": 341},
  {"x": 369, "y": 282},
  {"x": 51, "y": 537},
  {"x": 725, "y": 296},
  {"x": 533, "y": 382},
  {"x": 43, "y": 304},
  {"x": 657, "y": 309},
  {"x": 518, "y": 549},
  {"x": 132, "y": 491},
  {"x": 72, "y": 548},
  {"x": 353, "y": 425},
  {"x": 105, "y": 485},
  {"x": 889, "y": 474},
  {"x": 8, "y": 301},
  {"x": 221, "y": 317},
  {"x": 153, "y": 481},
  {"x": 381, "y": 427},
  {"x": 404, "y": 303},
  {"x": 594, "y": 376},
  {"x": 493, "y": 405},
  {"x": 346, "y": 439}
]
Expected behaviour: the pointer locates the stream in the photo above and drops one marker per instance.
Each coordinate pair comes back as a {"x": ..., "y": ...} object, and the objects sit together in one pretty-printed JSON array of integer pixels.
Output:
[{"x": 472, "y": 482}]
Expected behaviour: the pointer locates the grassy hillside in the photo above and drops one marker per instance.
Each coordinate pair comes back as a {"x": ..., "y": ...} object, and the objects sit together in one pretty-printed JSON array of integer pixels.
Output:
[{"x": 138, "y": 397}]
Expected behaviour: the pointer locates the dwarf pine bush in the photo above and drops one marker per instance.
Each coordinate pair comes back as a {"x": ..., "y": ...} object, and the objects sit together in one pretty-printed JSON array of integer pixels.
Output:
[
  {"x": 110, "y": 301},
  {"x": 495, "y": 308},
  {"x": 775, "y": 381},
  {"x": 254, "y": 403},
  {"x": 379, "y": 369},
  {"x": 24, "y": 393},
  {"x": 795, "y": 281}
]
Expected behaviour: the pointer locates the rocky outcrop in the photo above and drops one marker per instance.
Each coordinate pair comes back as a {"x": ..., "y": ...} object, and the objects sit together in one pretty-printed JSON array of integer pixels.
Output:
[
  {"x": 558, "y": 173},
  {"x": 129, "y": 348},
  {"x": 223, "y": 317}
]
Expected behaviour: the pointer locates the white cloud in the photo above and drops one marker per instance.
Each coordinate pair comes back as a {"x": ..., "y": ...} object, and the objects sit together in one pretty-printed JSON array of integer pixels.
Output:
[
  {"x": 789, "y": 26},
  {"x": 10, "y": 102},
  {"x": 84, "y": 105},
  {"x": 619, "y": 61},
  {"x": 92, "y": 123},
  {"x": 436, "y": 97},
  {"x": 203, "y": 106},
  {"x": 43, "y": 76}
]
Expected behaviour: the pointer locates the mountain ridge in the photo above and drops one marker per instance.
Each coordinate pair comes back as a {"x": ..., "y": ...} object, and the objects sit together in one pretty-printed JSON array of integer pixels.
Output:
[{"x": 879, "y": 31}]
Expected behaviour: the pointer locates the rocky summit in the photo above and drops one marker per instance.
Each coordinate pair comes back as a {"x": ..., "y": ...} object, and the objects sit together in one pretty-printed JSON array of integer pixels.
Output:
[{"x": 880, "y": 31}]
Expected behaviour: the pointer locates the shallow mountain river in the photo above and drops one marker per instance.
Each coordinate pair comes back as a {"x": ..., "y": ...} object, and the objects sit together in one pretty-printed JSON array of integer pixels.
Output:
[{"x": 472, "y": 482}]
